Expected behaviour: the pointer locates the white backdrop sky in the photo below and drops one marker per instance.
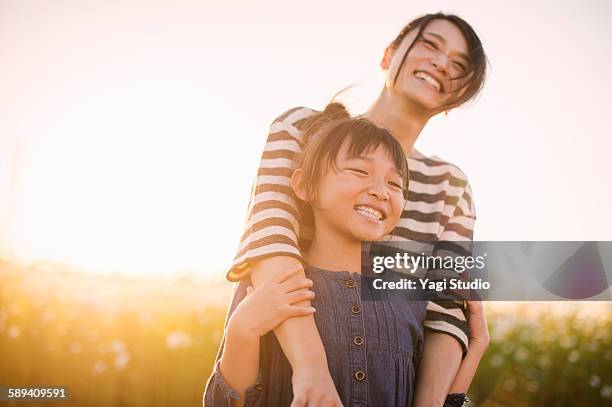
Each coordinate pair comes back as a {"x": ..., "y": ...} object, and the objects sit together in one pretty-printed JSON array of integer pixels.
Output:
[{"x": 130, "y": 131}]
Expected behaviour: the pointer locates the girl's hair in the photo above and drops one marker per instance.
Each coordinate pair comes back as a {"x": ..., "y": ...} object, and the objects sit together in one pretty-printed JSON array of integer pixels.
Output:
[
  {"x": 478, "y": 60},
  {"x": 326, "y": 132}
]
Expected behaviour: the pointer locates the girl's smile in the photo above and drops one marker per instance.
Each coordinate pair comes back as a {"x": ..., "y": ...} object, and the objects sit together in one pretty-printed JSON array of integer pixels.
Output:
[{"x": 370, "y": 213}]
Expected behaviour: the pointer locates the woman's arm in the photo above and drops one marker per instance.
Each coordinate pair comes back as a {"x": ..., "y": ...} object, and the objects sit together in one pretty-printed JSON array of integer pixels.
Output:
[
  {"x": 269, "y": 246},
  {"x": 440, "y": 361},
  {"x": 258, "y": 313},
  {"x": 479, "y": 341},
  {"x": 301, "y": 343},
  {"x": 447, "y": 332}
]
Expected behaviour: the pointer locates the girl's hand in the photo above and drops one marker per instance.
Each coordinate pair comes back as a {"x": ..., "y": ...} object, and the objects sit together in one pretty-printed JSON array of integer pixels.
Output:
[
  {"x": 264, "y": 308},
  {"x": 479, "y": 331}
]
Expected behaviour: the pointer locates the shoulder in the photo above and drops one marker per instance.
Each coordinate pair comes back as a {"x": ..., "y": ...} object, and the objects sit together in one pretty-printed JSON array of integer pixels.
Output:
[
  {"x": 290, "y": 125},
  {"x": 294, "y": 115},
  {"x": 435, "y": 167}
]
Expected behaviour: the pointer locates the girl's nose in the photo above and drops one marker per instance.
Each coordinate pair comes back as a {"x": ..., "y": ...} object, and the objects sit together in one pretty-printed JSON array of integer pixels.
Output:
[{"x": 378, "y": 190}]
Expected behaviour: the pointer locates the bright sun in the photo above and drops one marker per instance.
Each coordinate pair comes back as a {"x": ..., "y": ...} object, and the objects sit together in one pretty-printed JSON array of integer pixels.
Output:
[{"x": 128, "y": 182}]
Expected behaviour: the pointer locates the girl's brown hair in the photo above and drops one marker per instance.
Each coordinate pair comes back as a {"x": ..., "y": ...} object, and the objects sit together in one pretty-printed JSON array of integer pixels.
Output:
[
  {"x": 326, "y": 133},
  {"x": 476, "y": 73}
]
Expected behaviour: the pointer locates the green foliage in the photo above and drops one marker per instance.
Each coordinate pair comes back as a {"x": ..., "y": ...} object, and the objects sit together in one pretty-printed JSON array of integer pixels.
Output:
[{"x": 119, "y": 341}]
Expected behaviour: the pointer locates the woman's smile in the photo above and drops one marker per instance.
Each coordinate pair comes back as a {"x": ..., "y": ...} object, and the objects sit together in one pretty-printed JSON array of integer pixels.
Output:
[{"x": 430, "y": 80}]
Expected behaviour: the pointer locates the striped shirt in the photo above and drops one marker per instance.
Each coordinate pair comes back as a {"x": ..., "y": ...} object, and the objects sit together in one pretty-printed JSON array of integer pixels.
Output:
[{"x": 438, "y": 207}]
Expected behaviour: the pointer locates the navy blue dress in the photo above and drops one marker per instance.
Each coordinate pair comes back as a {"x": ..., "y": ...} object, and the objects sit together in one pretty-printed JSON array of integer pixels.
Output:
[{"x": 373, "y": 346}]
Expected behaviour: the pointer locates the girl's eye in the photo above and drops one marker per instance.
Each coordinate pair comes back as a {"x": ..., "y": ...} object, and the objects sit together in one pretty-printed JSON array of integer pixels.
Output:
[
  {"x": 396, "y": 185},
  {"x": 358, "y": 171}
]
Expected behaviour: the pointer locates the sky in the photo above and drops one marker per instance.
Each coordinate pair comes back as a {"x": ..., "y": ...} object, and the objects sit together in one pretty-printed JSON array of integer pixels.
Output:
[{"x": 130, "y": 131}]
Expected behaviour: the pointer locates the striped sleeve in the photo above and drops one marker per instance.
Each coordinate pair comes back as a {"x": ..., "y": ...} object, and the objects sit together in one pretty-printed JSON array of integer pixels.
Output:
[
  {"x": 446, "y": 316},
  {"x": 272, "y": 226}
]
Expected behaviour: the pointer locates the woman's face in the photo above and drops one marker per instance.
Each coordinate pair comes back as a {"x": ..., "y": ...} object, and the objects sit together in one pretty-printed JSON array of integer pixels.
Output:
[
  {"x": 429, "y": 74},
  {"x": 362, "y": 199}
]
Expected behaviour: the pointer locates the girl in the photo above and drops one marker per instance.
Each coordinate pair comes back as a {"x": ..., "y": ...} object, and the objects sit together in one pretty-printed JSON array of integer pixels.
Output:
[
  {"x": 354, "y": 175},
  {"x": 435, "y": 64}
]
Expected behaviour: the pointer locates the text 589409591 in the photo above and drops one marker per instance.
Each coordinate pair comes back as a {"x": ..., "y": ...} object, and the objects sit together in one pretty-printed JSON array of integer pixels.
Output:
[{"x": 33, "y": 393}]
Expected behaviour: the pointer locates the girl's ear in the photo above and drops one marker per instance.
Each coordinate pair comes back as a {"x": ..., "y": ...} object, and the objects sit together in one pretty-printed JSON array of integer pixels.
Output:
[{"x": 297, "y": 183}]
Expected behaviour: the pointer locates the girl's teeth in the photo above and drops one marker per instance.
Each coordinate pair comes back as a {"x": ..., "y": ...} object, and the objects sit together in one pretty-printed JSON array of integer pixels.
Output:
[{"x": 372, "y": 213}]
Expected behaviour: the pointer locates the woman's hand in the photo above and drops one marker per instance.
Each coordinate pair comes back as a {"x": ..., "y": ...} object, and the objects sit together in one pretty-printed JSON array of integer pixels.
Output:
[
  {"x": 264, "y": 308},
  {"x": 314, "y": 387}
]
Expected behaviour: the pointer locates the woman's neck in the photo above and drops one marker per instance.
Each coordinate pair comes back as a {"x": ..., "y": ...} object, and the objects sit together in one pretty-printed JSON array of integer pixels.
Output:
[
  {"x": 335, "y": 252},
  {"x": 400, "y": 117}
]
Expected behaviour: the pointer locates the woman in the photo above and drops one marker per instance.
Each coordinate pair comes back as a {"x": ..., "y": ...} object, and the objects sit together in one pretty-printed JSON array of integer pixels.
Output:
[{"x": 436, "y": 63}]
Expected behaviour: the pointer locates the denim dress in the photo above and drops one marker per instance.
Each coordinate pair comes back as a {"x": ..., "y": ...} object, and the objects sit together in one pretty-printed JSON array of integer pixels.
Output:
[{"x": 373, "y": 346}]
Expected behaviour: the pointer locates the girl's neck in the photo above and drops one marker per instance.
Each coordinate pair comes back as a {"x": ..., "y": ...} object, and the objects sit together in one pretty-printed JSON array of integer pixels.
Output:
[
  {"x": 400, "y": 117},
  {"x": 334, "y": 252}
]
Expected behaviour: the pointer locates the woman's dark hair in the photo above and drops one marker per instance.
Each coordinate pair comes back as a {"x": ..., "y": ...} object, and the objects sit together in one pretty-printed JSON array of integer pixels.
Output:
[
  {"x": 325, "y": 134},
  {"x": 478, "y": 60}
]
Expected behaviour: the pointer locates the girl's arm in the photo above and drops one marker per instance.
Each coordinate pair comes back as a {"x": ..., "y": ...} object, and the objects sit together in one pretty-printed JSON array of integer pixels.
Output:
[{"x": 239, "y": 364}]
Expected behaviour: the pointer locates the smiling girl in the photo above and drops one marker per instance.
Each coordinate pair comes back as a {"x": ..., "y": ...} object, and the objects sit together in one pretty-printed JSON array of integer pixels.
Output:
[
  {"x": 436, "y": 63},
  {"x": 353, "y": 175}
]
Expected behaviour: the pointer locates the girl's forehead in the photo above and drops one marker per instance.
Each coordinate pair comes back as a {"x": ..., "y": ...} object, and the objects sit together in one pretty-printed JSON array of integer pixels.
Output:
[{"x": 381, "y": 155}]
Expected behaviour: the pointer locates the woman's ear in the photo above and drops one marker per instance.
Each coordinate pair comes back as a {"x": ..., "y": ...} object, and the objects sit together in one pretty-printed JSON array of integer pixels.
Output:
[
  {"x": 387, "y": 56},
  {"x": 297, "y": 183}
]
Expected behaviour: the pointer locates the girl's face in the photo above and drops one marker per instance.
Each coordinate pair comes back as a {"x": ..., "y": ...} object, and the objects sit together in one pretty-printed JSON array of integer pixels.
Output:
[
  {"x": 429, "y": 74},
  {"x": 362, "y": 199}
]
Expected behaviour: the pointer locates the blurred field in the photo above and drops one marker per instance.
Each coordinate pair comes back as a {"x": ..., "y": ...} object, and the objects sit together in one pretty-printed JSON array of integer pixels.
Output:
[{"x": 123, "y": 341}]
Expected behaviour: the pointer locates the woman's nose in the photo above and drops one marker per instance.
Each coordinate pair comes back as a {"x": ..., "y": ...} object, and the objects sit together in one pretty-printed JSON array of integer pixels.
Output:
[{"x": 440, "y": 62}]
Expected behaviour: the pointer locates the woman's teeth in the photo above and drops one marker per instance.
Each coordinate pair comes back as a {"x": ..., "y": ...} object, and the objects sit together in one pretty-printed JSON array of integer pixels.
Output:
[
  {"x": 367, "y": 211},
  {"x": 429, "y": 79}
]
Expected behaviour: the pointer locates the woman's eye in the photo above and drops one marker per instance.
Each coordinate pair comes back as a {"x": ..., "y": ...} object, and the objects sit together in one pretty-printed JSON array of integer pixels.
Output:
[
  {"x": 358, "y": 171},
  {"x": 460, "y": 66},
  {"x": 430, "y": 44}
]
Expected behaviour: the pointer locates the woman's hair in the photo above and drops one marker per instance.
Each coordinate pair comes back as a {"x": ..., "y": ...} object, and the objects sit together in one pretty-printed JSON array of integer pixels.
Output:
[
  {"x": 478, "y": 60},
  {"x": 326, "y": 132}
]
